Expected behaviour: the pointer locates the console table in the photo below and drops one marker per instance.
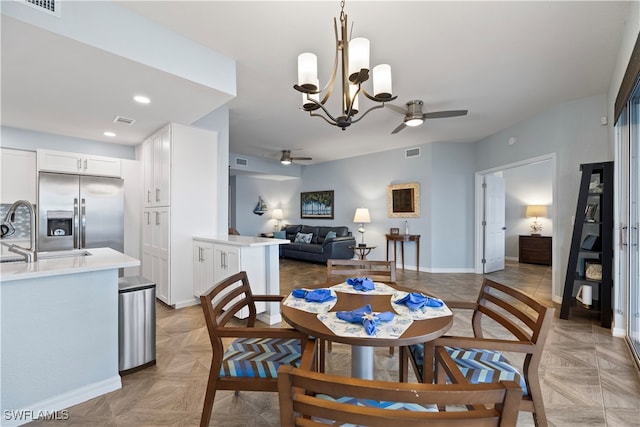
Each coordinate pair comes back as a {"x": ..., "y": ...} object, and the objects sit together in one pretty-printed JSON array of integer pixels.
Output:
[
  {"x": 404, "y": 238},
  {"x": 534, "y": 249}
]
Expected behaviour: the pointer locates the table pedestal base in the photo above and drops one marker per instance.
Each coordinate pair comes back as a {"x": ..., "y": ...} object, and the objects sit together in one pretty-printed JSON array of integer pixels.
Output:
[{"x": 362, "y": 362}]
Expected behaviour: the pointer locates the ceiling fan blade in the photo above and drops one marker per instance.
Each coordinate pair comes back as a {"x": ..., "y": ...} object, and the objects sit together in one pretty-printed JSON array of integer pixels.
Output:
[
  {"x": 401, "y": 110},
  {"x": 399, "y": 128},
  {"x": 445, "y": 114},
  {"x": 301, "y": 158}
]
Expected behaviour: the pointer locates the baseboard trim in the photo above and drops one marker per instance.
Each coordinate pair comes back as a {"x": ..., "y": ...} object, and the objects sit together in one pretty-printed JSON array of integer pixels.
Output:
[
  {"x": 52, "y": 408},
  {"x": 435, "y": 270},
  {"x": 184, "y": 304}
]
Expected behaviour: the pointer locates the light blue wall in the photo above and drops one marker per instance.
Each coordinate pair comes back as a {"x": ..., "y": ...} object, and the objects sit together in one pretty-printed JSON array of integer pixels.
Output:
[
  {"x": 31, "y": 140},
  {"x": 571, "y": 130}
]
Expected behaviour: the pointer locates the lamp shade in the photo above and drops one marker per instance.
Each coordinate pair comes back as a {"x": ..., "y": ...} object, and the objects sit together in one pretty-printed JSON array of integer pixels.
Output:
[
  {"x": 536, "y": 211},
  {"x": 277, "y": 214},
  {"x": 362, "y": 216}
]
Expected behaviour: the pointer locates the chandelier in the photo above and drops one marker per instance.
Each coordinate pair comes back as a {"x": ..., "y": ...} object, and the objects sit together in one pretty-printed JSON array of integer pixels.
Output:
[{"x": 354, "y": 58}]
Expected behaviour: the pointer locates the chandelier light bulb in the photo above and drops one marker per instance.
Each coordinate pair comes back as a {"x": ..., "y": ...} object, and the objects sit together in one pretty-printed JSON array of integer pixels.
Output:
[
  {"x": 308, "y": 71},
  {"x": 382, "y": 81},
  {"x": 358, "y": 57}
]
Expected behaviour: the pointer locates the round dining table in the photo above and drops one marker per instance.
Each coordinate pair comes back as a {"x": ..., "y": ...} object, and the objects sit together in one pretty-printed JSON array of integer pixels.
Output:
[{"x": 362, "y": 363}]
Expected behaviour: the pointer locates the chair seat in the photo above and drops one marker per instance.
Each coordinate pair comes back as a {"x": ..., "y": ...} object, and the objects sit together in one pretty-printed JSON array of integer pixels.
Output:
[
  {"x": 399, "y": 406},
  {"x": 477, "y": 365},
  {"x": 259, "y": 357}
]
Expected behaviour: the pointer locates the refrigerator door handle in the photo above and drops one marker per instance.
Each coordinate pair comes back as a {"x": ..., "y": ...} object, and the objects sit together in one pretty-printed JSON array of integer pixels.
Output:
[
  {"x": 84, "y": 223},
  {"x": 76, "y": 236}
]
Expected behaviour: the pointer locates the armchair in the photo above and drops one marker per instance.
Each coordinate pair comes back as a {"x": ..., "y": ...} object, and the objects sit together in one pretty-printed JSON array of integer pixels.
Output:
[{"x": 251, "y": 360}]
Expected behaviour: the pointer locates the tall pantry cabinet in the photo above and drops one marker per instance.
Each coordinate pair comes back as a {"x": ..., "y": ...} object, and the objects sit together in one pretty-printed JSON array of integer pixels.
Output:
[{"x": 179, "y": 201}]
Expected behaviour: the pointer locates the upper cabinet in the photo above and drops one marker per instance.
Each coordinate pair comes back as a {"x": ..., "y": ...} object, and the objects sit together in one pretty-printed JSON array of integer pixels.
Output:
[
  {"x": 62, "y": 161},
  {"x": 156, "y": 158},
  {"x": 18, "y": 176}
]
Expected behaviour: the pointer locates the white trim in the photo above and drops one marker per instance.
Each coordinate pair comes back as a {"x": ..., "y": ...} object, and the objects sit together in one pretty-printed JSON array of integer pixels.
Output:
[
  {"x": 479, "y": 206},
  {"x": 187, "y": 303},
  {"x": 512, "y": 258},
  {"x": 434, "y": 270},
  {"x": 66, "y": 400}
]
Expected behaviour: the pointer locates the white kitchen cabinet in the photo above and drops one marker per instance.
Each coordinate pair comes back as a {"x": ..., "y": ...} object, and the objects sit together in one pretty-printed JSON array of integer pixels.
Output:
[
  {"x": 180, "y": 168},
  {"x": 156, "y": 153},
  {"x": 18, "y": 175},
  {"x": 203, "y": 277},
  {"x": 62, "y": 161},
  {"x": 226, "y": 261}
]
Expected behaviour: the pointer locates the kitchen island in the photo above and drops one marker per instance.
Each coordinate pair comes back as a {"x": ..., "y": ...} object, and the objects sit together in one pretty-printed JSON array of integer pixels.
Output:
[
  {"x": 59, "y": 329},
  {"x": 216, "y": 258}
]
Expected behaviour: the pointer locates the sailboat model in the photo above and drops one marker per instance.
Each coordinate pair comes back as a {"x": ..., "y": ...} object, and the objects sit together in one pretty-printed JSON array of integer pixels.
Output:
[{"x": 261, "y": 207}]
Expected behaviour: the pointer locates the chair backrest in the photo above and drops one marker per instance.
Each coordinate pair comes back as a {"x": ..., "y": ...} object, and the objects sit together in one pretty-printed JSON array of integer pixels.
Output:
[
  {"x": 321, "y": 397},
  {"x": 381, "y": 271},
  {"x": 223, "y": 301},
  {"x": 523, "y": 317}
]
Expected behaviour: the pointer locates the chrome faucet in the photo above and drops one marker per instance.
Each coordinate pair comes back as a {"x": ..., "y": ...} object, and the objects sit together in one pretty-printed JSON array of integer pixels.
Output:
[{"x": 30, "y": 254}]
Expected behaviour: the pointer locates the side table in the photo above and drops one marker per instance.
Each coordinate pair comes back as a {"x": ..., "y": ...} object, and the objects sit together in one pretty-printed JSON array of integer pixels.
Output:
[
  {"x": 404, "y": 238},
  {"x": 362, "y": 251}
]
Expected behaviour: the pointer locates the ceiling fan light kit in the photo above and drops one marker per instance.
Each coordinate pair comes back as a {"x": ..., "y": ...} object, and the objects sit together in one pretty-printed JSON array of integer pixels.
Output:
[
  {"x": 413, "y": 115},
  {"x": 353, "y": 56}
]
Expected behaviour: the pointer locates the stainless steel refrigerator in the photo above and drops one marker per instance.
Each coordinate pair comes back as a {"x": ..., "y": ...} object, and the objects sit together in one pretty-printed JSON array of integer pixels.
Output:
[{"x": 80, "y": 211}]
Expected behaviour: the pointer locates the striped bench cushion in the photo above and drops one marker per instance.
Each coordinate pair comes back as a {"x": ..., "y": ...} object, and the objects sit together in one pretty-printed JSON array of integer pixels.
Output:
[
  {"x": 259, "y": 357},
  {"x": 477, "y": 365}
]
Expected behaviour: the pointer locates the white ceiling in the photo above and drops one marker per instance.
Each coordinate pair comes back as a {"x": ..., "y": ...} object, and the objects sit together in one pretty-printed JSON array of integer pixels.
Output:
[{"x": 503, "y": 61}]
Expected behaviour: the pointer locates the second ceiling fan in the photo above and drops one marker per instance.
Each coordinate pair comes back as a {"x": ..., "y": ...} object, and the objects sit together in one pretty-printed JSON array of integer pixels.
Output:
[
  {"x": 413, "y": 115},
  {"x": 286, "y": 158}
]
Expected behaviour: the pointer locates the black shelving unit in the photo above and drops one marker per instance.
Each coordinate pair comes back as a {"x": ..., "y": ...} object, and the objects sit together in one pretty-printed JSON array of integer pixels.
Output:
[{"x": 592, "y": 244}]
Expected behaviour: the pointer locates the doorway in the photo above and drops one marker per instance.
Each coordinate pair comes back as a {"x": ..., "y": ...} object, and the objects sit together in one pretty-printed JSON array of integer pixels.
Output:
[{"x": 515, "y": 221}]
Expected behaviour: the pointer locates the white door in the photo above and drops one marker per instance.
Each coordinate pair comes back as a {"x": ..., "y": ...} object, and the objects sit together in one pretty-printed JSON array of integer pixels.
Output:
[{"x": 494, "y": 223}]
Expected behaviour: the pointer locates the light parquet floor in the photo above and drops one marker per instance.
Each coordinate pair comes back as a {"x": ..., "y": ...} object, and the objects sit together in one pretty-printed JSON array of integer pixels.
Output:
[{"x": 588, "y": 378}]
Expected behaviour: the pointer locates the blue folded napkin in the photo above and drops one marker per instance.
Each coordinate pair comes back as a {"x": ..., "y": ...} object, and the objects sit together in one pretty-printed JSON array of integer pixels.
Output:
[
  {"x": 316, "y": 295},
  {"x": 365, "y": 316},
  {"x": 416, "y": 301},
  {"x": 361, "y": 283}
]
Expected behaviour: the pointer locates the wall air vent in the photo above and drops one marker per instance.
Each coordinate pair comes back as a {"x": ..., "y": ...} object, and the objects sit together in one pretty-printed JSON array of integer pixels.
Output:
[
  {"x": 242, "y": 162},
  {"x": 52, "y": 7},
  {"x": 412, "y": 152},
  {"x": 124, "y": 120}
]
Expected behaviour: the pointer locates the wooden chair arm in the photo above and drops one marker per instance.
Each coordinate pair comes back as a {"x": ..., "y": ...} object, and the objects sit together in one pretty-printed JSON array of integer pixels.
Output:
[
  {"x": 486, "y": 344},
  {"x": 466, "y": 305},
  {"x": 276, "y": 298},
  {"x": 260, "y": 333}
]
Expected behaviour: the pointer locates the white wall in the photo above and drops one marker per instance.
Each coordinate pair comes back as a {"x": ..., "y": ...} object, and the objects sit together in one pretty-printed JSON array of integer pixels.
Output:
[{"x": 573, "y": 132}]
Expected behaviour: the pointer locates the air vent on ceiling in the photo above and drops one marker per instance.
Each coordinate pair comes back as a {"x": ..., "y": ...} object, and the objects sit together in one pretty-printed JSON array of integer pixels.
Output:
[
  {"x": 124, "y": 120},
  {"x": 412, "y": 152},
  {"x": 52, "y": 7},
  {"x": 241, "y": 162}
]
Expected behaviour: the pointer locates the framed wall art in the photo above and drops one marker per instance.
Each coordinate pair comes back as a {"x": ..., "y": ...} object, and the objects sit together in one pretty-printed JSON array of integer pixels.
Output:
[
  {"x": 316, "y": 204},
  {"x": 403, "y": 200}
]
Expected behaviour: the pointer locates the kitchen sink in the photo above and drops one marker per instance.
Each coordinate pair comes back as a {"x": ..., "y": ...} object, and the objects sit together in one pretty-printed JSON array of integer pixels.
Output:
[{"x": 47, "y": 255}]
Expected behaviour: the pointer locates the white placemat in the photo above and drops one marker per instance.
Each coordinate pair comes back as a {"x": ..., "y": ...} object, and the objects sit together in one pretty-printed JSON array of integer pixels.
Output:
[
  {"x": 391, "y": 329},
  {"x": 311, "y": 307},
  {"x": 421, "y": 313},
  {"x": 380, "y": 289}
]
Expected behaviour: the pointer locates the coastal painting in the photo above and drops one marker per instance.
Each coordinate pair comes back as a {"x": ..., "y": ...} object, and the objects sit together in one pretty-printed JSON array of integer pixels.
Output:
[{"x": 316, "y": 204}]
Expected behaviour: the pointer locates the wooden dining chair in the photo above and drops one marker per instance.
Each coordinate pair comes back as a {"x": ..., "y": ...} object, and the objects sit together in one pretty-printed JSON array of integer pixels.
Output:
[
  {"x": 313, "y": 398},
  {"x": 378, "y": 271},
  {"x": 251, "y": 360},
  {"x": 503, "y": 320}
]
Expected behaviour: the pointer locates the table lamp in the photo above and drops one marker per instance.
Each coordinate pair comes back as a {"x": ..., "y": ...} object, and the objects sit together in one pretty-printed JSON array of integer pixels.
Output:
[
  {"x": 362, "y": 216},
  {"x": 535, "y": 211},
  {"x": 278, "y": 216}
]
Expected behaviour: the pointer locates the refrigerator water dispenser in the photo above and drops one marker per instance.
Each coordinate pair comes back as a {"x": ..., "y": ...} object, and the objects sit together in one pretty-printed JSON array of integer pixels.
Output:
[{"x": 59, "y": 223}]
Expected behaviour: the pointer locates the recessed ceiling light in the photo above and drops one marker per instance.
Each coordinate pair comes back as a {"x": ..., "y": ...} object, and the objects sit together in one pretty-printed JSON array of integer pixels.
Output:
[
  {"x": 141, "y": 99},
  {"x": 110, "y": 134}
]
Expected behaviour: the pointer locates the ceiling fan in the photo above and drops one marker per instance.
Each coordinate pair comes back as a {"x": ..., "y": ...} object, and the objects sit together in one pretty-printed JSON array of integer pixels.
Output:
[
  {"x": 413, "y": 115},
  {"x": 286, "y": 158}
]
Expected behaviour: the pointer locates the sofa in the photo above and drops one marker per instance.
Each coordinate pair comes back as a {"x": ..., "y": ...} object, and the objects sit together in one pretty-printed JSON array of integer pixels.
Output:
[{"x": 310, "y": 243}]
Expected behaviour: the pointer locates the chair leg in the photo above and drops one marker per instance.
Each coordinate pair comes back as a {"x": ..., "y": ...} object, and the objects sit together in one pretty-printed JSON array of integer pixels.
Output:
[
  {"x": 329, "y": 348},
  {"x": 403, "y": 364},
  {"x": 209, "y": 397},
  {"x": 391, "y": 351},
  {"x": 539, "y": 415}
]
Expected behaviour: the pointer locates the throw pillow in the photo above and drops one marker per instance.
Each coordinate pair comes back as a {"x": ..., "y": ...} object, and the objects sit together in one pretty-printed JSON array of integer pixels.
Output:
[
  {"x": 280, "y": 234},
  {"x": 303, "y": 238},
  {"x": 330, "y": 235}
]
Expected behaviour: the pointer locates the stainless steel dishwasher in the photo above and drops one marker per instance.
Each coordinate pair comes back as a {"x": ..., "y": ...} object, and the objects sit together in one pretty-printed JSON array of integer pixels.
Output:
[{"x": 136, "y": 324}]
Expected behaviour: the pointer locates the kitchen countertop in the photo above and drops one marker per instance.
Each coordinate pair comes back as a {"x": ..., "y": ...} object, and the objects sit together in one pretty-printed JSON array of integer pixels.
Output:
[
  {"x": 99, "y": 259},
  {"x": 242, "y": 240}
]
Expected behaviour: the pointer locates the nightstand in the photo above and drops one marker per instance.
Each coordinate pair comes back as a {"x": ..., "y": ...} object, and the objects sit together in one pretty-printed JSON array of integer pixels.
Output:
[{"x": 535, "y": 249}]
